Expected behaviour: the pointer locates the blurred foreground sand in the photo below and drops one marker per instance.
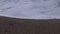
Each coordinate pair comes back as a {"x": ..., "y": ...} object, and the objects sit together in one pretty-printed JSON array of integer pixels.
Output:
[{"x": 29, "y": 26}]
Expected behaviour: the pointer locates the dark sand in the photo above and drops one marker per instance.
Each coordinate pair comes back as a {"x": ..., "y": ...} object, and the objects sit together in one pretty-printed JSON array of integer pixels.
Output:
[{"x": 26, "y": 26}]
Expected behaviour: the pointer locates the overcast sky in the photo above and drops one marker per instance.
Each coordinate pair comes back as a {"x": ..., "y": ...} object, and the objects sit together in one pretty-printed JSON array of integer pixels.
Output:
[{"x": 37, "y": 9}]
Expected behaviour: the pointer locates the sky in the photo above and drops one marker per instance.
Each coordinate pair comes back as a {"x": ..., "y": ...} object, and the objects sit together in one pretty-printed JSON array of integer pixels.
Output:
[{"x": 30, "y": 9}]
